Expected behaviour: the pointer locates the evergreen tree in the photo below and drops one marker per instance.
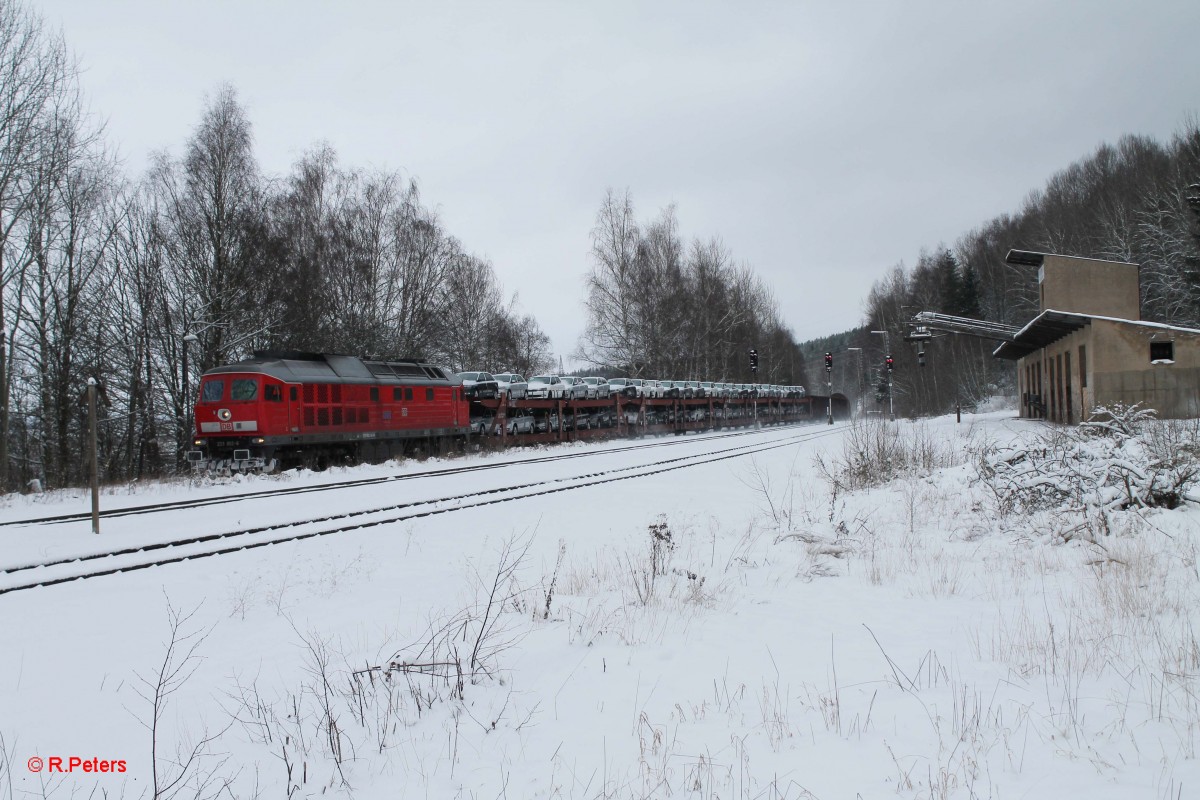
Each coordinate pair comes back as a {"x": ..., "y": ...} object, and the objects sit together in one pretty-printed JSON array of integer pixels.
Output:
[
  {"x": 967, "y": 303},
  {"x": 945, "y": 270}
]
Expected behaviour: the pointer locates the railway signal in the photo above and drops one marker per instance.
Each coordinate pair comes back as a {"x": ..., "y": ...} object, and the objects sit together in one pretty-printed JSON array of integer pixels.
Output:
[
  {"x": 889, "y": 363},
  {"x": 921, "y": 358},
  {"x": 829, "y": 362},
  {"x": 754, "y": 360}
]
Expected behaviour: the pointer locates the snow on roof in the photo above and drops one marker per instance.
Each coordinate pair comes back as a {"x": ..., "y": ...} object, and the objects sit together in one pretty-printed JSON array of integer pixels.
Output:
[
  {"x": 1051, "y": 325},
  {"x": 1034, "y": 258}
]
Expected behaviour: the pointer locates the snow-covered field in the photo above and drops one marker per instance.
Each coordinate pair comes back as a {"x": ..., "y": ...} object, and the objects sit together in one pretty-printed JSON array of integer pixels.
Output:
[{"x": 736, "y": 629}]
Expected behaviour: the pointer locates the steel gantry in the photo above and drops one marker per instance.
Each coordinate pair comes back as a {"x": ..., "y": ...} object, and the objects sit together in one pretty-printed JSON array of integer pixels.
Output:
[{"x": 925, "y": 324}]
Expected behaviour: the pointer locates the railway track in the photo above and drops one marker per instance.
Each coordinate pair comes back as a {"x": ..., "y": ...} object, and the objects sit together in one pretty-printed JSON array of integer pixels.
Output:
[
  {"x": 131, "y": 559},
  {"x": 151, "y": 508}
]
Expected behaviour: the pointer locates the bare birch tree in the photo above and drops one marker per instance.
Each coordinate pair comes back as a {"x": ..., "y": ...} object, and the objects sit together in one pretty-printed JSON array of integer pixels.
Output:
[{"x": 35, "y": 70}]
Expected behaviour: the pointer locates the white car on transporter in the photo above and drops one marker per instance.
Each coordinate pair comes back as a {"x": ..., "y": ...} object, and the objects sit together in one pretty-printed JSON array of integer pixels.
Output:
[
  {"x": 575, "y": 388},
  {"x": 512, "y": 385},
  {"x": 598, "y": 388},
  {"x": 545, "y": 387}
]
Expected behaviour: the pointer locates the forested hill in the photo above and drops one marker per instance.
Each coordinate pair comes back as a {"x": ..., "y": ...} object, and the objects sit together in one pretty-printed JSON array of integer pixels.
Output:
[{"x": 815, "y": 349}]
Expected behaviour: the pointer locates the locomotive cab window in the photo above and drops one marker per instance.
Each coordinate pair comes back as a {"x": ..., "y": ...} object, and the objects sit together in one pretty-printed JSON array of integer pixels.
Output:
[
  {"x": 244, "y": 389},
  {"x": 273, "y": 393},
  {"x": 292, "y": 393},
  {"x": 212, "y": 392}
]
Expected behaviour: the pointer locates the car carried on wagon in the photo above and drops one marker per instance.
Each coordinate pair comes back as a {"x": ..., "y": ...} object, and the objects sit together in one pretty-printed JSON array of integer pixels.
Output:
[
  {"x": 479, "y": 385},
  {"x": 626, "y": 387},
  {"x": 545, "y": 387},
  {"x": 574, "y": 388},
  {"x": 511, "y": 385},
  {"x": 598, "y": 388}
]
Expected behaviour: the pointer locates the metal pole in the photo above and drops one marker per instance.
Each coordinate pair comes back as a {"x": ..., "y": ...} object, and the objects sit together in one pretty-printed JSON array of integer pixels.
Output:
[
  {"x": 829, "y": 387},
  {"x": 187, "y": 400},
  {"x": 887, "y": 350},
  {"x": 93, "y": 458},
  {"x": 858, "y": 381}
]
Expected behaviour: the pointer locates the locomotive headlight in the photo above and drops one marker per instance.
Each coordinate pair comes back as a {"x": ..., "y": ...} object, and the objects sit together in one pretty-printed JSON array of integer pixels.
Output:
[
  {"x": 197, "y": 442},
  {"x": 259, "y": 440},
  {"x": 224, "y": 414}
]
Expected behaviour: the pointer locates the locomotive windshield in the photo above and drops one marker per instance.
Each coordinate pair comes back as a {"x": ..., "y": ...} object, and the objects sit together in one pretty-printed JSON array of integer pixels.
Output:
[
  {"x": 212, "y": 391},
  {"x": 244, "y": 389}
]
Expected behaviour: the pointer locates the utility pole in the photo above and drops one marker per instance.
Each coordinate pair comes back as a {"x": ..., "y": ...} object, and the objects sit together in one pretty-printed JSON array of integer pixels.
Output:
[
  {"x": 829, "y": 383},
  {"x": 93, "y": 456},
  {"x": 888, "y": 356},
  {"x": 891, "y": 407},
  {"x": 858, "y": 379},
  {"x": 754, "y": 374}
]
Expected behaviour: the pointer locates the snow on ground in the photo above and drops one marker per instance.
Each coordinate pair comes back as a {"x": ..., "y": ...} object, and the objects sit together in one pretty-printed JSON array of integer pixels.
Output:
[{"x": 732, "y": 630}]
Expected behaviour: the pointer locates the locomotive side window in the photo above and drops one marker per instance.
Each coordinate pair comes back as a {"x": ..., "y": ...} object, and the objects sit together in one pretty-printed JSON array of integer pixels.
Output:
[
  {"x": 408, "y": 394},
  {"x": 244, "y": 389},
  {"x": 429, "y": 394},
  {"x": 273, "y": 393},
  {"x": 397, "y": 394},
  {"x": 374, "y": 393},
  {"x": 292, "y": 393},
  {"x": 212, "y": 392}
]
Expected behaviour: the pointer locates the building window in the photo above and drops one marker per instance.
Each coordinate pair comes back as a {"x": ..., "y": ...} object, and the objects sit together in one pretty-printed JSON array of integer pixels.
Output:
[
  {"x": 1083, "y": 366},
  {"x": 1162, "y": 352}
]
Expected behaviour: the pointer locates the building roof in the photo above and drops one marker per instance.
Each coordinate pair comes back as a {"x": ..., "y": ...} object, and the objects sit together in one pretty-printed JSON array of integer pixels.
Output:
[
  {"x": 1050, "y": 326},
  {"x": 1032, "y": 258}
]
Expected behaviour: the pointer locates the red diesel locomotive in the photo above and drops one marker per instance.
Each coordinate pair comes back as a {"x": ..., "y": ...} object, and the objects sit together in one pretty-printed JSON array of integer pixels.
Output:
[{"x": 282, "y": 409}]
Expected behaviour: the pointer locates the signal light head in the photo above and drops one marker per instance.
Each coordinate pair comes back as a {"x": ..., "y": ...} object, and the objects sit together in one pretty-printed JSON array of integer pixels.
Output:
[{"x": 890, "y": 363}]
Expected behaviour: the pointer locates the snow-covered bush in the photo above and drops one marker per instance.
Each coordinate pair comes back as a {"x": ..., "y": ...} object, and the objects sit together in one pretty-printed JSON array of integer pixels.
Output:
[
  {"x": 1120, "y": 458},
  {"x": 875, "y": 452}
]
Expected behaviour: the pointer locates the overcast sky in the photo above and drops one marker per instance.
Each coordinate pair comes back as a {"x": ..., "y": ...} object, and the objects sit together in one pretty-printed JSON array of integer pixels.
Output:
[{"x": 823, "y": 142}]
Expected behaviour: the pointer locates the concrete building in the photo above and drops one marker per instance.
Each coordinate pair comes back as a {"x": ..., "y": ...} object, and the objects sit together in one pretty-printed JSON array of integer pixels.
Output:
[{"x": 1088, "y": 347}]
